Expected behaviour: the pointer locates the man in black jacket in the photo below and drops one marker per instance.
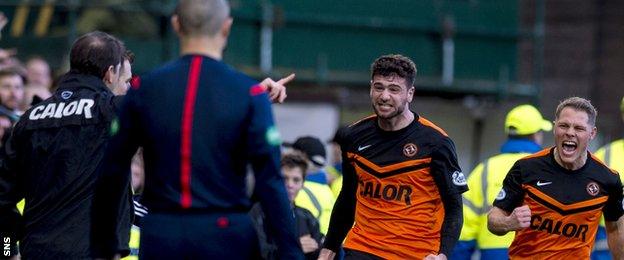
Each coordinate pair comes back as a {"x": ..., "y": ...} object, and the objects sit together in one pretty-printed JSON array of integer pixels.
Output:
[{"x": 54, "y": 151}]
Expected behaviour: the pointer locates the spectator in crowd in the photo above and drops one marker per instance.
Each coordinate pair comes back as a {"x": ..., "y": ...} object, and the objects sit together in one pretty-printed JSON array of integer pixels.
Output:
[
  {"x": 38, "y": 72},
  {"x": 6, "y": 124},
  {"x": 12, "y": 89},
  {"x": 314, "y": 149},
  {"x": 524, "y": 126},
  {"x": 39, "y": 79},
  {"x": 137, "y": 169},
  {"x": 3, "y": 22},
  {"x": 138, "y": 172},
  {"x": 294, "y": 167},
  {"x": 335, "y": 169},
  {"x": 8, "y": 58},
  {"x": 317, "y": 197}
]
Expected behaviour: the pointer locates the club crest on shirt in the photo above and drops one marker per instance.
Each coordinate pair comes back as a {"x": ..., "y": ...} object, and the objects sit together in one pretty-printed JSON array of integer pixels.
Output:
[
  {"x": 501, "y": 194},
  {"x": 593, "y": 188},
  {"x": 410, "y": 150},
  {"x": 459, "y": 179}
]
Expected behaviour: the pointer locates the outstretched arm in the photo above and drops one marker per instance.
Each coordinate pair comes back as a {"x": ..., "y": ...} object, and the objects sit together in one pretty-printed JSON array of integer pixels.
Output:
[
  {"x": 263, "y": 150},
  {"x": 277, "y": 89}
]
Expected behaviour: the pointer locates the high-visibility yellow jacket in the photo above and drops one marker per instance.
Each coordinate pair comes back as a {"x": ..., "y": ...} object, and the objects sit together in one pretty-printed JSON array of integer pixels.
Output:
[
  {"x": 20, "y": 206},
  {"x": 336, "y": 186},
  {"x": 612, "y": 154},
  {"x": 319, "y": 200},
  {"x": 485, "y": 182},
  {"x": 135, "y": 238}
]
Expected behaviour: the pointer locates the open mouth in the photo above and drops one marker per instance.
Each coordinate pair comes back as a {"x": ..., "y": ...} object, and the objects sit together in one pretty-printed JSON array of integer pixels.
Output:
[
  {"x": 384, "y": 105},
  {"x": 568, "y": 147}
]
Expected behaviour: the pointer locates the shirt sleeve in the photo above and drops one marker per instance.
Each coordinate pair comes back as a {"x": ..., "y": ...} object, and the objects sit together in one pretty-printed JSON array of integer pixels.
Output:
[
  {"x": 343, "y": 214},
  {"x": 263, "y": 149},
  {"x": 445, "y": 169},
  {"x": 512, "y": 194},
  {"x": 614, "y": 208},
  {"x": 451, "y": 183}
]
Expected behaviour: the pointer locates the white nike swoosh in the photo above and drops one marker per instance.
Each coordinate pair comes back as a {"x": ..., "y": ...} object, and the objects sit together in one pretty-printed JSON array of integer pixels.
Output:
[
  {"x": 362, "y": 148},
  {"x": 540, "y": 183}
]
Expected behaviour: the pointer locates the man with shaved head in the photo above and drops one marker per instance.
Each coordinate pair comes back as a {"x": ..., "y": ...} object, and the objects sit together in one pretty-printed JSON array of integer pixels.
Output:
[{"x": 200, "y": 123}]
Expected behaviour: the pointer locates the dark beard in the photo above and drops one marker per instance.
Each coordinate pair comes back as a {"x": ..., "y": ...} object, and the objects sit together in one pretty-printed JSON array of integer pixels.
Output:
[{"x": 390, "y": 116}]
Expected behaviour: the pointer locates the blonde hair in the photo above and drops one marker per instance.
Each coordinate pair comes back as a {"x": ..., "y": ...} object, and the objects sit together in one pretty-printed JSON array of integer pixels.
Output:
[{"x": 579, "y": 104}]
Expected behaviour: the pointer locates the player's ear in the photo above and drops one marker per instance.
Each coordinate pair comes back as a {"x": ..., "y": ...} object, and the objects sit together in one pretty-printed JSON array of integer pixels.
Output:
[
  {"x": 225, "y": 28},
  {"x": 109, "y": 75},
  {"x": 175, "y": 23},
  {"x": 593, "y": 133}
]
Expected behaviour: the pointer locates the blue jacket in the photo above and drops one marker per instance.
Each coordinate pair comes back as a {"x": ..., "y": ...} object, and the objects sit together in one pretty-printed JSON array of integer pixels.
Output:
[{"x": 200, "y": 123}]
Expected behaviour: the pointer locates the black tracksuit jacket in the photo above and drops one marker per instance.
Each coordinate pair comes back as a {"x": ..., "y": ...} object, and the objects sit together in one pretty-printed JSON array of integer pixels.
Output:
[{"x": 51, "y": 160}]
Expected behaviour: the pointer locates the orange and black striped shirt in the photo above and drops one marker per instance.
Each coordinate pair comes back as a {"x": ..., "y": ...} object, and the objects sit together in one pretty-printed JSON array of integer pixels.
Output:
[
  {"x": 392, "y": 199},
  {"x": 566, "y": 205}
]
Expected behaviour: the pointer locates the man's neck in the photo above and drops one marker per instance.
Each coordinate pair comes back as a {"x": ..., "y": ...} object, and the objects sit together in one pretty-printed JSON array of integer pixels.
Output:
[
  {"x": 396, "y": 123},
  {"x": 202, "y": 45},
  {"x": 570, "y": 166}
]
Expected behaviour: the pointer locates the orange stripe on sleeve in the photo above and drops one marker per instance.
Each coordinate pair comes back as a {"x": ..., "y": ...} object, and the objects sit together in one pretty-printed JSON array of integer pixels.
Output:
[
  {"x": 428, "y": 123},
  {"x": 538, "y": 154}
]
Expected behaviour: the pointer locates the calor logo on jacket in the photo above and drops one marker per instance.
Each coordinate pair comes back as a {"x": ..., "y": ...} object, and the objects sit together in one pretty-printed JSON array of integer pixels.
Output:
[{"x": 62, "y": 109}]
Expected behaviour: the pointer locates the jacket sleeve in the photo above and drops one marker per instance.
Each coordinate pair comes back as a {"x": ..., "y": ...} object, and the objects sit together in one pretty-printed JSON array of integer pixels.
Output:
[
  {"x": 263, "y": 150},
  {"x": 315, "y": 233},
  {"x": 110, "y": 207},
  {"x": 314, "y": 228},
  {"x": 11, "y": 192}
]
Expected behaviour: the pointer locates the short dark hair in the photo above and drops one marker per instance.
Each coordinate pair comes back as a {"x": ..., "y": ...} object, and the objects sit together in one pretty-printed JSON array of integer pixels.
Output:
[
  {"x": 395, "y": 64},
  {"x": 14, "y": 71},
  {"x": 129, "y": 55},
  {"x": 579, "y": 104},
  {"x": 295, "y": 159},
  {"x": 201, "y": 17},
  {"x": 94, "y": 52}
]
